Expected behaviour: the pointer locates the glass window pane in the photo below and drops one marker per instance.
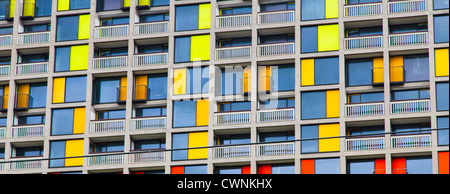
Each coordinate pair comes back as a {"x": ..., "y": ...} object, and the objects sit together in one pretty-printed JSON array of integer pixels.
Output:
[
  {"x": 328, "y": 166},
  {"x": 443, "y": 136},
  {"x": 419, "y": 166},
  {"x": 106, "y": 90},
  {"x": 405, "y": 95},
  {"x": 416, "y": 68},
  {"x": 38, "y": 95},
  {"x": 313, "y": 9},
  {"x": 75, "y": 89},
  {"x": 326, "y": 71},
  {"x": 284, "y": 77},
  {"x": 186, "y": 17},
  {"x": 198, "y": 169},
  {"x": 361, "y": 167},
  {"x": 440, "y": 4},
  {"x": 157, "y": 86},
  {"x": 62, "y": 59},
  {"x": 372, "y": 97},
  {"x": 442, "y": 96},
  {"x": 359, "y": 72},
  {"x": 184, "y": 113},
  {"x": 57, "y": 150},
  {"x": 310, "y": 132},
  {"x": 62, "y": 121},
  {"x": 441, "y": 29},
  {"x": 105, "y": 5},
  {"x": 283, "y": 169},
  {"x": 67, "y": 28},
  {"x": 79, "y": 4},
  {"x": 180, "y": 141},
  {"x": 313, "y": 105},
  {"x": 274, "y": 7},
  {"x": 182, "y": 49},
  {"x": 309, "y": 39},
  {"x": 228, "y": 170}
]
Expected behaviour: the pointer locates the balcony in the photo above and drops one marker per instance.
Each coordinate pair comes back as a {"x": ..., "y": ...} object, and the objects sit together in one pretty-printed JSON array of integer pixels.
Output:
[
  {"x": 17, "y": 164},
  {"x": 363, "y": 42},
  {"x": 406, "y": 39},
  {"x": 31, "y": 68},
  {"x": 367, "y": 109},
  {"x": 276, "y": 17},
  {"x": 151, "y": 28},
  {"x": 111, "y": 31},
  {"x": 407, "y": 6},
  {"x": 101, "y": 126},
  {"x": 228, "y": 118},
  {"x": 363, "y": 9},
  {"x": 231, "y": 152},
  {"x": 275, "y": 149},
  {"x": 27, "y": 131},
  {"x": 152, "y": 156},
  {"x": 150, "y": 59},
  {"x": 110, "y": 62},
  {"x": 5, "y": 40},
  {"x": 411, "y": 141},
  {"x": 229, "y": 21},
  {"x": 4, "y": 70},
  {"x": 148, "y": 123},
  {"x": 358, "y": 144},
  {"x": 276, "y": 115},
  {"x": 276, "y": 49},
  {"x": 414, "y": 106},
  {"x": 233, "y": 52},
  {"x": 33, "y": 38},
  {"x": 95, "y": 160}
]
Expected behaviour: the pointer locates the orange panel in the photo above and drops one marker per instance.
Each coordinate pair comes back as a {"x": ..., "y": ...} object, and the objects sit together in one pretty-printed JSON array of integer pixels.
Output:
[
  {"x": 245, "y": 170},
  {"x": 380, "y": 166},
  {"x": 443, "y": 163},
  {"x": 265, "y": 169},
  {"x": 177, "y": 170},
  {"x": 399, "y": 166},
  {"x": 308, "y": 167}
]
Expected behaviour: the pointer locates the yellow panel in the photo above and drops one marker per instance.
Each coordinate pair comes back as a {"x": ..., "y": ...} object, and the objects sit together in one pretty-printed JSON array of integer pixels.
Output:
[
  {"x": 333, "y": 103},
  {"x": 123, "y": 89},
  {"x": 63, "y": 5},
  {"x": 23, "y": 95},
  {"x": 84, "y": 24},
  {"x": 441, "y": 62},
  {"x": 378, "y": 70},
  {"x": 59, "y": 86},
  {"x": 5, "y": 97},
  {"x": 204, "y": 16},
  {"x": 307, "y": 72},
  {"x": 11, "y": 8},
  {"x": 28, "y": 8},
  {"x": 247, "y": 79},
  {"x": 331, "y": 9},
  {"x": 141, "y": 87},
  {"x": 79, "y": 57},
  {"x": 179, "y": 81},
  {"x": 79, "y": 115},
  {"x": 329, "y": 145},
  {"x": 126, "y": 3},
  {"x": 396, "y": 68},
  {"x": 200, "y": 47},
  {"x": 202, "y": 112},
  {"x": 265, "y": 76},
  {"x": 198, "y": 139},
  {"x": 328, "y": 37},
  {"x": 144, "y": 2},
  {"x": 74, "y": 148}
]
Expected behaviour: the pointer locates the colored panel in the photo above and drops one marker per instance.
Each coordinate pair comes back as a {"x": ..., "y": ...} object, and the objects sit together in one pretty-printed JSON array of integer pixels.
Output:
[
  {"x": 63, "y": 5},
  {"x": 265, "y": 169},
  {"x": 202, "y": 112},
  {"x": 265, "y": 77},
  {"x": 180, "y": 141},
  {"x": 123, "y": 89},
  {"x": 74, "y": 148},
  {"x": 141, "y": 87},
  {"x": 76, "y": 91},
  {"x": 329, "y": 145},
  {"x": 198, "y": 139},
  {"x": 328, "y": 37},
  {"x": 380, "y": 166},
  {"x": 186, "y": 17},
  {"x": 62, "y": 121},
  {"x": 399, "y": 166},
  {"x": 333, "y": 103},
  {"x": 23, "y": 94},
  {"x": 307, "y": 70},
  {"x": 59, "y": 86},
  {"x": 307, "y": 167},
  {"x": 177, "y": 170},
  {"x": 443, "y": 162},
  {"x": 200, "y": 48},
  {"x": 246, "y": 169},
  {"x": 313, "y": 9},
  {"x": 28, "y": 7},
  {"x": 79, "y": 115},
  {"x": 179, "y": 81},
  {"x": 84, "y": 26},
  {"x": 144, "y": 2},
  {"x": 204, "y": 16},
  {"x": 67, "y": 28},
  {"x": 57, "y": 150},
  {"x": 441, "y": 62},
  {"x": 331, "y": 9},
  {"x": 5, "y": 97},
  {"x": 12, "y": 6},
  {"x": 184, "y": 113},
  {"x": 396, "y": 69},
  {"x": 314, "y": 105},
  {"x": 182, "y": 49},
  {"x": 327, "y": 71},
  {"x": 309, "y": 39},
  {"x": 126, "y": 3},
  {"x": 378, "y": 70},
  {"x": 247, "y": 79},
  {"x": 79, "y": 57}
]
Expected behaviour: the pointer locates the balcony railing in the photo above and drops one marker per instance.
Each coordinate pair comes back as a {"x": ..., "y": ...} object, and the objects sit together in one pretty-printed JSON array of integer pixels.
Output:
[
  {"x": 110, "y": 62},
  {"x": 363, "y": 42},
  {"x": 151, "y": 28},
  {"x": 148, "y": 123},
  {"x": 398, "y": 107},
  {"x": 407, "y": 6},
  {"x": 16, "y": 164},
  {"x": 408, "y": 39},
  {"x": 2, "y": 132},
  {"x": 369, "y": 109},
  {"x": 363, "y": 9},
  {"x": 375, "y": 143},
  {"x": 33, "y": 37},
  {"x": 276, "y": 115},
  {"x": 153, "y": 156},
  {"x": 31, "y": 68},
  {"x": 275, "y": 149},
  {"x": 5, "y": 40},
  {"x": 150, "y": 59},
  {"x": 411, "y": 141},
  {"x": 231, "y": 152},
  {"x": 228, "y": 118},
  {"x": 28, "y": 131},
  {"x": 111, "y": 31},
  {"x": 276, "y": 49},
  {"x": 107, "y": 126},
  {"x": 233, "y": 21},
  {"x": 276, "y": 17},
  {"x": 105, "y": 159},
  {"x": 234, "y": 52},
  {"x": 4, "y": 70}
]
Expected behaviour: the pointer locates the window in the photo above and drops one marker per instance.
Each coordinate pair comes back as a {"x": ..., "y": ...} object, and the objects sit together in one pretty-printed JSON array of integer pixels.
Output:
[
  {"x": 153, "y": 48},
  {"x": 154, "y": 17},
  {"x": 3, "y": 121},
  {"x": 193, "y": 17},
  {"x": 190, "y": 113},
  {"x": 246, "y": 41},
  {"x": 276, "y": 169},
  {"x": 319, "y": 9},
  {"x": 235, "y": 10},
  {"x": 409, "y": 68},
  {"x": 441, "y": 28},
  {"x": 276, "y": 78},
  {"x": 441, "y": 60},
  {"x": 31, "y": 120},
  {"x": 111, "y": 114},
  {"x": 64, "y": 5},
  {"x": 66, "y": 148},
  {"x": 410, "y": 94},
  {"x": 73, "y": 27},
  {"x": 34, "y": 151},
  {"x": 32, "y": 95},
  {"x": 37, "y": 28},
  {"x": 233, "y": 80},
  {"x": 69, "y": 89},
  {"x": 155, "y": 3},
  {"x": 232, "y": 170},
  {"x": 150, "y": 144},
  {"x": 393, "y": 29},
  {"x": 322, "y": 104},
  {"x": 7, "y": 30},
  {"x": 192, "y": 48},
  {"x": 151, "y": 112},
  {"x": 368, "y": 31},
  {"x": 320, "y": 38},
  {"x": 371, "y": 166},
  {"x": 276, "y": 38},
  {"x": 276, "y": 136},
  {"x": 68, "y": 121},
  {"x": 320, "y": 71},
  {"x": 320, "y": 166},
  {"x": 277, "y": 103},
  {"x": 416, "y": 128},
  {"x": 111, "y": 52},
  {"x": 442, "y": 96},
  {"x": 412, "y": 165},
  {"x": 151, "y": 87},
  {"x": 191, "y": 80},
  {"x": 4, "y": 91},
  {"x": 350, "y": 2},
  {"x": 107, "y": 5},
  {"x": 440, "y": 4},
  {"x": 320, "y": 131},
  {"x": 234, "y": 106},
  {"x": 442, "y": 123},
  {"x": 189, "y": 140},
  {"x": 114, "y": 21},
  {"x": 366, "y": 97},
  {"x": 101, "y": 147},
  {"x": 109, "y": 90},
  {"x": 364, "y": 71},
  {"x": 71, "y": 58},
  {"x": 278, "y": 7},
  {"x": 233, "y": 139},
  {"x": 196, "y": 169},
  {"x": 6, "y": 9}
]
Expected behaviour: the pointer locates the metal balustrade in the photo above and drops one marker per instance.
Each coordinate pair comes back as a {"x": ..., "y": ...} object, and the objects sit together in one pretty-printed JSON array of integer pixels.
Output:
[
  {"x": 275, "y": 149},
  {"x": 375, "y": 143},
  {"x": 33, "y": 38},
  {"x": 4, "y": 70},
  {"x": 234, "y": 52},
  {"x": 276, "y": 49},
  {"x": 407, "y": 6},
  {"x": 276, "y": 17},
  {"x": 233, "y": 21},
  {"x": 411, "y": 141},
  {"x": 111, "y": 31},
  {"x": 2, "y": 132},
  {"x": 276, "y": 115},
  {"x": 31, "y": 68},
  {"x": 408, "y": 39},
  {"x": 16, "y": 164},
  {"x": 231, "y": 152},
  {"x": 5, "y": 40},
  {"x": 148, "y": 123},
  {"x": 105, "y": 159},
  {"x": 153, "y": 156},
  {"x": 398, "y": 107},
  {"x": 150, "y": 59},
  {"x": 110, "y": 62},
  {"x": 151, "y": 28},
  {"x": 363, "y": 9},
  {"x": 363, "y": 42},
  {"x": 107, "y": 126},
  {"x": 228, "y": 118},
  {"x": 369, "y": 109},
  {"x": 28, "y": 131}
]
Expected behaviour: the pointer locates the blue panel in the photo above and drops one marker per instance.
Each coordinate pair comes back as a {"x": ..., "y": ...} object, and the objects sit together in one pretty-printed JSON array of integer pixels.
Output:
[
  {"x": 3, "y": 7},
  {"x": 313, "y": 9},
  {"x": 7, "y": 30},
  {"x": 229, "y": 170},
  {"x": 184, "y": 113},
  {"x": 359, "y": 72},
  {"x": 67, "y": 28},
  {"x": 149, "y": 112},
  {"x": 441, "y": 26},
  {"x": 75, "y": 89},
  {"x": 157, "y": 86},
  {"x": 62, "y": 121},
  {"x": 310, "y": 132},
  {"x": 105, "y": 5},
  {"x": 442, "y": 123},
  {"x": 283, "y": 169},
  {"x": 309, "y": 39},
  {"x": 442, "y": 96},
  {"x": 38, "y": 95},
  {"x": 328, "y": 166},
  {"x": 198, "y": 169},
  {"x": 405, "y": 95},
  {"x": 326, "y": 71},
  {"x": 180, "y": 141},
  {"x": 416, "y": 68},
  {"x": 274, "y": 7},
  {"x": 284, "y": 77},
  {"x": 62, "y": 59},
  {"x": 152, "y": 18},
  {"x": 31, "y": 120},
  {"x": 155, "y": 3},
  {"x": 419, "y": 165},
  {"x": 440, "y": 4},
  {"x": 2, "y": 121},
  {"x": 372, "y": 97},
  {"x": 197, "y": 80},
  {"x": 186, "y": 18},
  {"x": 36, "y": 28},
  {"x": 79, "y": 4},
  {"x": 105, "y": 90},
  {"x": 182, "y": 49},
  {"x": 314, "y": 105},
  {"x": 361, "y": 167},
  {"x": 57, "y": 150}
]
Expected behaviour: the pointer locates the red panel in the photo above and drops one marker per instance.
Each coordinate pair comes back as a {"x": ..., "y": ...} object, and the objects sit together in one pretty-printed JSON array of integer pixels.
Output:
[
  {"x": 380, "y": 166},
  {"x": 308, "y": 167},
  {"x": 265, "y": 169},
  {"x": 177, "y": 170},
  {"x": 245, "y": 170},
  {"x": 398, "y": 165},
  {"x": 137, "y": 173},
  {"x": 443, "y": 163}
]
